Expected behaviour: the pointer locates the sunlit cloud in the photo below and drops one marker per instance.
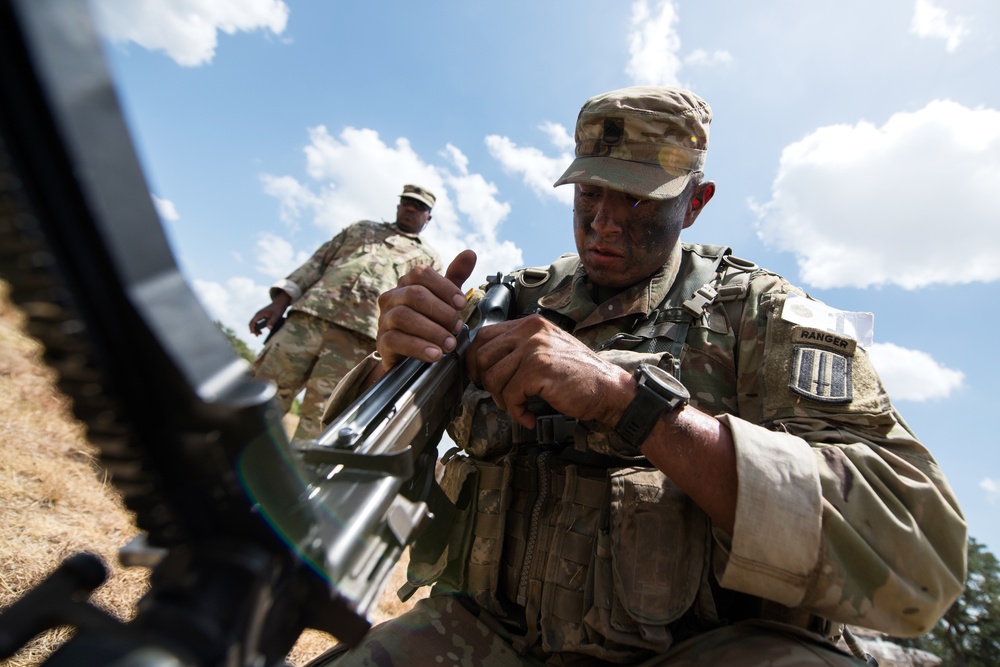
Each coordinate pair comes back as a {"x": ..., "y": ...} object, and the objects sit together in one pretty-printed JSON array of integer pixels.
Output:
[
  {"x": 992, "y": 489},
  {"x": 700, "y": 57},
  {"x": 653, "y": 44},
  {"x": 295, "y": 198},
  {"x": 186, "y": 30},
  {"x": 912, "y": 375},
  {"x": 865, "y": 205},
  {"x": 358, "y": 176},
  {"x": 276, "y": 257},
  {"x": 476, "y": 198},
  {"x": 233, "y": 303},
  {"x": 558, "y": 136},
  {"x": 654, "y": 59},
  {"x": 537, "y": 170},
  {"x": 166, "y": 209},
  {"x": 931, "y": 21}
]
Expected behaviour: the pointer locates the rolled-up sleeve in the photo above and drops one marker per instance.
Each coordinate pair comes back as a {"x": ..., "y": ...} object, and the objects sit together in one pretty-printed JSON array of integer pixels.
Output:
[
  {"x": 840, "y": 509},
  {"x": 777, "y": 535}
]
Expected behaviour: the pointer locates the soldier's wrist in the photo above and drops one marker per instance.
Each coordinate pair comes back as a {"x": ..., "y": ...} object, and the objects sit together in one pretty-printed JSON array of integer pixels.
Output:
[
  {"x": 281, "y": 299},
  {"x": 657, "y": 393},
  {"x": 622, "y": 398}
]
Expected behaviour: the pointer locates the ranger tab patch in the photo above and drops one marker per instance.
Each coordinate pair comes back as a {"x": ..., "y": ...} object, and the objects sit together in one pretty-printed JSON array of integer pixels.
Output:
[
  {"x": 816, "y": 315},
  {"x": 819, "y": 338},
  {"x": 821, "y": 375}
]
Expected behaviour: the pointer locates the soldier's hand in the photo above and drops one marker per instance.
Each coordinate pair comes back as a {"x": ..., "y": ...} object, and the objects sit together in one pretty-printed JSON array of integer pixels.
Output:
[
  {"x": 265, "y": 317},
  {"x": 420, "y": 317},
  {"x": 531, "y": 357},
  {"x": 269, "y": 315}
]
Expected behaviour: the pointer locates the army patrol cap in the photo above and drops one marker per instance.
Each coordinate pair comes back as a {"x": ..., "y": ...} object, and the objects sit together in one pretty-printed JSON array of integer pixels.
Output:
[
  {"x": 420, "y": 194},
  {"x": 643, "y": 140}
]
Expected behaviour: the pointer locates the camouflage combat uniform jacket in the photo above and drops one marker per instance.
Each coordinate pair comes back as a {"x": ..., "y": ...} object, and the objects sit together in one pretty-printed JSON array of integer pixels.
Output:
[
  {"x": 341, "y": 282},
  {"x": 842, "y": 515}
]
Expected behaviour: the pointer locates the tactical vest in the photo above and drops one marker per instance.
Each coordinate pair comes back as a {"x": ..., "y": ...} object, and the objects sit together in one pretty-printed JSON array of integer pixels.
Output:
[{"x": 570, "y": 547}]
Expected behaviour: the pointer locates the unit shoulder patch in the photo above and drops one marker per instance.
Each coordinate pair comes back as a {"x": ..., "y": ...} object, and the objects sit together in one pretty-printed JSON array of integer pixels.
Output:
[{"x": 821, "y": 375}]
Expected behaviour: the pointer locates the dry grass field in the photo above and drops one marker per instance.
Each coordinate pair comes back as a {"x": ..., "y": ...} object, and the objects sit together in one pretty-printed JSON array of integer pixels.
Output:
[{"x": 55, "y": 501}]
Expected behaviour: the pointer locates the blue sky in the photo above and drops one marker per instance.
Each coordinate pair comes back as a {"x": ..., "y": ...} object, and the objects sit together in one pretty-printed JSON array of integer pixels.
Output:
[{"x": 856, "y": 149}]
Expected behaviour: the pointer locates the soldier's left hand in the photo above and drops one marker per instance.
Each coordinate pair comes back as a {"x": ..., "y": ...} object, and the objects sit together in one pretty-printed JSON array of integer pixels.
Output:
[
  {"x": 531, "y": 357},
  {"x": 420, "y": 316}
]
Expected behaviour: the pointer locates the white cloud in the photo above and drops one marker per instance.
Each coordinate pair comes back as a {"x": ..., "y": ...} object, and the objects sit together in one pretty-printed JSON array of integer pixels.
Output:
[
  {"x": 293, "y": 196},
  {"x": 353, "y": 177},
  {"x": 653, "y": 44},
  {"x": 233, "y": 304},
  {"x": 559, "y": 136},
  {"x": 166, "y": 209},
  {"x": 653, "y": 48},
  {"x": 357, "y": 175},
  {"x": 932, "y": 21},
  {"x": 537, "y": 170},
  {"x": 703, "y": 57},
  {"x": 276, "y": 257},
  {"x": 475, "y": 198},
  {"x": 187, "y": 30},
  {"x": 992, "y": 489},
  {"x": 863, "y": 205},
  {"x": 912, "y": 375},
  {"x": 456, "y": 157}
]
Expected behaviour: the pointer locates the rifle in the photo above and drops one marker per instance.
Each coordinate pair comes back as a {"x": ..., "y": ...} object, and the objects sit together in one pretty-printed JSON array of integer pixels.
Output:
[{"x": 251, "y": 538}]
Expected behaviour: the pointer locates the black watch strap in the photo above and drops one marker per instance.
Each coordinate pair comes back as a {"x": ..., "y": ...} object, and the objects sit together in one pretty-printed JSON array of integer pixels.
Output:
[{"x": 658, "y": 393}]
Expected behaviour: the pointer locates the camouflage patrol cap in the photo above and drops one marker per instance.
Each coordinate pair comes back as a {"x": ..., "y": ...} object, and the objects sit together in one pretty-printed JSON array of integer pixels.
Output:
[
  {"x": 420, "y": 194},
  {"x": 643, "y": 140}
]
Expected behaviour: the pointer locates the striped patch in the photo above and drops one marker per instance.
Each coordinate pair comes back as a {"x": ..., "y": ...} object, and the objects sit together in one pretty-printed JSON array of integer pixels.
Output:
[{"x": 821, "y": 375}]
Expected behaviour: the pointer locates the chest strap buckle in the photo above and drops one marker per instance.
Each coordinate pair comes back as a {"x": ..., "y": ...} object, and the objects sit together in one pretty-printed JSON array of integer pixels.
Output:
[
  {"x": 549, "y": 430},
  {"x": 700, "y": 300}
]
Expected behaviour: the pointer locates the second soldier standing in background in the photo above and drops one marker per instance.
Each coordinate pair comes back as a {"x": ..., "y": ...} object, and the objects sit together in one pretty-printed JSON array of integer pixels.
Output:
[{"x": 332, "y": 321}]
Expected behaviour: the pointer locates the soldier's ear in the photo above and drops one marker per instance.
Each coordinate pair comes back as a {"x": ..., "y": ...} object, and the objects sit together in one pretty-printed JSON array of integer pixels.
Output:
[
  {"x": 699, "y": 198},
  {"x": 703, "y": 194}
]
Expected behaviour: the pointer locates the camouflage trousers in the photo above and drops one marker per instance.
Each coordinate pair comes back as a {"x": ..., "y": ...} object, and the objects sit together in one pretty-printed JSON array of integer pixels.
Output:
[
  {"x": 440, "y": 631},
  {"x": 311, "y": 353}
]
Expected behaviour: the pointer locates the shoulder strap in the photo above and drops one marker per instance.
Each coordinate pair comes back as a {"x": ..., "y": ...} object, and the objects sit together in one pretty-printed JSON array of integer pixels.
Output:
[
  {"x": 730, "y": 283},
  {"x": 535, "y": 282},
  {"x": 719, "y": 276}
]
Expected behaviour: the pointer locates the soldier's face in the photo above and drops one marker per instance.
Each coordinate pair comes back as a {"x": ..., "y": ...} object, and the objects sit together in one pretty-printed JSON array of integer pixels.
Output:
[
  {"x": 412, "y": 216},
  {"x": 621, "y": 239}
]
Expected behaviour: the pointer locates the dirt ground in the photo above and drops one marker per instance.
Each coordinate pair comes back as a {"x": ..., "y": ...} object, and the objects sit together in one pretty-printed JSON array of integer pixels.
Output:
[{"x": 55, "y": 501}]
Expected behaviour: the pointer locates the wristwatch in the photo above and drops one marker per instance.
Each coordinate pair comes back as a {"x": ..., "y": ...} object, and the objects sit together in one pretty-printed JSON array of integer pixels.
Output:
[{"x": 659, "y": 393}]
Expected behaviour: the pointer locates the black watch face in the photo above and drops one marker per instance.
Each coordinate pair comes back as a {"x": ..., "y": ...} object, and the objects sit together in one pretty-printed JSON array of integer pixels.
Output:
[{"x": 668, "y": 382}]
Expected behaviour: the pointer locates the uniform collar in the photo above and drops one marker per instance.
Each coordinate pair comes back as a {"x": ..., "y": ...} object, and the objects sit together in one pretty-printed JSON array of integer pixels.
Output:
[
  {"x": 575, "y": 299},
  {"x": 412, "y": 235}
]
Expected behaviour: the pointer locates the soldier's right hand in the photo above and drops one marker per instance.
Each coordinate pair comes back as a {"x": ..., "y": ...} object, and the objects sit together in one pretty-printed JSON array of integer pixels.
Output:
[
  {"x": 269, "y": 315},
  {"x": 421, "y": 316}
]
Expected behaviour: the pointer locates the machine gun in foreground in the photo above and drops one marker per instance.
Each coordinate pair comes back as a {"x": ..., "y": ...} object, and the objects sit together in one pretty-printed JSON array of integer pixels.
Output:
[{"x": 255, "y": 538}]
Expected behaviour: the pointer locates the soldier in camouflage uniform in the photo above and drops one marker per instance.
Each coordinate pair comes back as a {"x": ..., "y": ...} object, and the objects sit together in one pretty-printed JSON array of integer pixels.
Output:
[
  {"x": 331, "y": 324},
  {"x": 787, "y": 496}
]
